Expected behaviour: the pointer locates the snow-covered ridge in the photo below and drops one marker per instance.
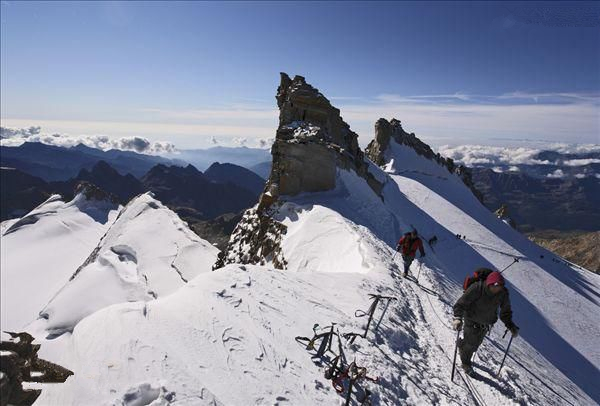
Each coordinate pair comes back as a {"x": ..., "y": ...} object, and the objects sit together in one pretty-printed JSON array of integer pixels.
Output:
[
  {"x": 228, "y": 337},
  {"x": 40, "y": 251},
  {"x": 148, "y": 252}
]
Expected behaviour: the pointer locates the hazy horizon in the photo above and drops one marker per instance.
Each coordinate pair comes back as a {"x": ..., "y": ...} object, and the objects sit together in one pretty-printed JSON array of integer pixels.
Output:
[{"x": 195, "y": 75}]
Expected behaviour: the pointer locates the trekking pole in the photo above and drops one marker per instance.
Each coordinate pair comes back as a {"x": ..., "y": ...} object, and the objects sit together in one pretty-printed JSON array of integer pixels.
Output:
[
  {"x": 419, "y": 274},
  {"x": 511, "y": 264},
  {"x": 454, "y": 360},
  {"x": 505, "y": 352}
]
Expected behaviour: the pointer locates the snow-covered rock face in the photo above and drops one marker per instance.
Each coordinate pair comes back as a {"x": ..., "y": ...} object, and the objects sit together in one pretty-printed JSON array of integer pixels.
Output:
[
  {"x": 148, "y": 252},
  {"x": 312, "y": 144},
  {"x": 311, "y": 141},
  {"x": 386, "y": 131},
  {"x": 40, "y": 251}
]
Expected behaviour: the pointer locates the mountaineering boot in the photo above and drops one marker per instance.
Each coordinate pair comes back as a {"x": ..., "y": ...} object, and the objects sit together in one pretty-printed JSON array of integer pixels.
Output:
[{"x": 468, "y": 369}]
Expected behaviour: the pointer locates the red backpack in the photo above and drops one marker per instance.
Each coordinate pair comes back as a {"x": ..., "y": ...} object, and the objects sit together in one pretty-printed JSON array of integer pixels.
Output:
[{"x": 479, "y": 275}]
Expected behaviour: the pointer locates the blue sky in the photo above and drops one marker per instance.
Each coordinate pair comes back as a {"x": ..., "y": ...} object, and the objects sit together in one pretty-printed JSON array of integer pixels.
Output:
[{"x": 200, "y": 73}]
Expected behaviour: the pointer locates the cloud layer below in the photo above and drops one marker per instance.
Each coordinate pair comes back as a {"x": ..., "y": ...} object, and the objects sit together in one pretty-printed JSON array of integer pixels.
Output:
[
  {"x": 13, "y": 137},
  {"x": 485, "y": 155}
]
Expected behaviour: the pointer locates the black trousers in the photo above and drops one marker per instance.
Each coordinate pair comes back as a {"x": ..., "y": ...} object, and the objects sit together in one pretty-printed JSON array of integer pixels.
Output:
[
  {"x": 407, "y": 261},
  {"x": 473, "y": 335}
]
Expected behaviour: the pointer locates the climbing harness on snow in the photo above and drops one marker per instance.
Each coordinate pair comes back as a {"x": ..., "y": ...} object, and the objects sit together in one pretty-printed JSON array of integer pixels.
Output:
[
  {"x": 338, "y": 371},
  {"x": 353, "y": 373},
  {"x": 371, "y": 311}
]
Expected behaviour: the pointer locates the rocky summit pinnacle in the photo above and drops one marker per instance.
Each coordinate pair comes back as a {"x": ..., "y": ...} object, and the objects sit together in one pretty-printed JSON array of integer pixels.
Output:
[
  {"x": 311, "y": 141},
  {"x": 392, "y": 130}
]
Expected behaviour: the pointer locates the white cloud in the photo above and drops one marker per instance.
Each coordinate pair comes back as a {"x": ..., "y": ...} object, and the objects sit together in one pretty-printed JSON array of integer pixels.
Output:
[
  {"x": 266, "y": 142},
  {"x": 557, "y": 174},
  {"x": 573, "y": 148},
  {"x": 581, "y": 162},
  {"x": 184, "y": 135},
  {"x": 240, "y": 141},
  {"x": 34, "y": 134},
  {"x": 6, "y": 133},
  {"x": 485, "y": 155}
]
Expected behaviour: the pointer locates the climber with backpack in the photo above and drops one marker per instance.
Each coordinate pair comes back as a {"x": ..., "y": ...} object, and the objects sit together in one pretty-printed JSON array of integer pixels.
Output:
[
  {"x": 408, "y": 246},
  {"x": 477, "y": 310}
]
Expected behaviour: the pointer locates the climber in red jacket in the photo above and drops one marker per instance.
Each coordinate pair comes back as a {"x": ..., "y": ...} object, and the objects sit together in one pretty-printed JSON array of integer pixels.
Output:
[{"x": 408, "y": 245}]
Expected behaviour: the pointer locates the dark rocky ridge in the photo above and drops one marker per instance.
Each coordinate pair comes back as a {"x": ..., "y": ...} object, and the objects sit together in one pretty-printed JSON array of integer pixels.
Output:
[
  {"x": 20, "y": 363},
  {"x": 386, "y": 130}
]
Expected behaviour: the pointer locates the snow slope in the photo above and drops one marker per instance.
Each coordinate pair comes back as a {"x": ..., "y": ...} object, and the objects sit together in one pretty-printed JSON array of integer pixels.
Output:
[
  {"x": 40, "y": 251},
  {"x": 556, "y": 305},
  {"x": 148, "y": 252},
  {"x": 227, "y": 337}
]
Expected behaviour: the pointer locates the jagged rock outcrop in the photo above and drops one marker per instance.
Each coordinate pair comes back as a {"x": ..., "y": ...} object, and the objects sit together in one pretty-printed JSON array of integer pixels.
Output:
[
  {"x": 386, "y": 130},
  {"x": 20, "y": 363},
  {"x": 311, "y": 143},
  {"x": 93, "y": 192},
  {"x": 255, "y": 240}
]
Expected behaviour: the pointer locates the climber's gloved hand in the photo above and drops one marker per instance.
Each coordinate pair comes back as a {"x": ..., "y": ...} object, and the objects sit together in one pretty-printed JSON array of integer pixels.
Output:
[
  {"x": 514, "y": 330},
  {"x": 457, "y": 324}
]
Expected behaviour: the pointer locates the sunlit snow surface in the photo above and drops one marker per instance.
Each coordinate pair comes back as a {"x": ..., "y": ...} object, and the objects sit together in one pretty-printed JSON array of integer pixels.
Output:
[{"x": 227, "y": 337}]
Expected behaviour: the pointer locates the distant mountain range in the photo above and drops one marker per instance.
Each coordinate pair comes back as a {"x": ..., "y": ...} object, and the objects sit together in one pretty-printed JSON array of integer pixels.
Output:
[
  {"x": 53, "y": 163},
  {"x": 535, "y": 200},
  {"x": 542, "y": 164},
  {"x": 242, "y": 156},
  {"x": 194, "y": 195},
  {"x": 542, "y": 203}
]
